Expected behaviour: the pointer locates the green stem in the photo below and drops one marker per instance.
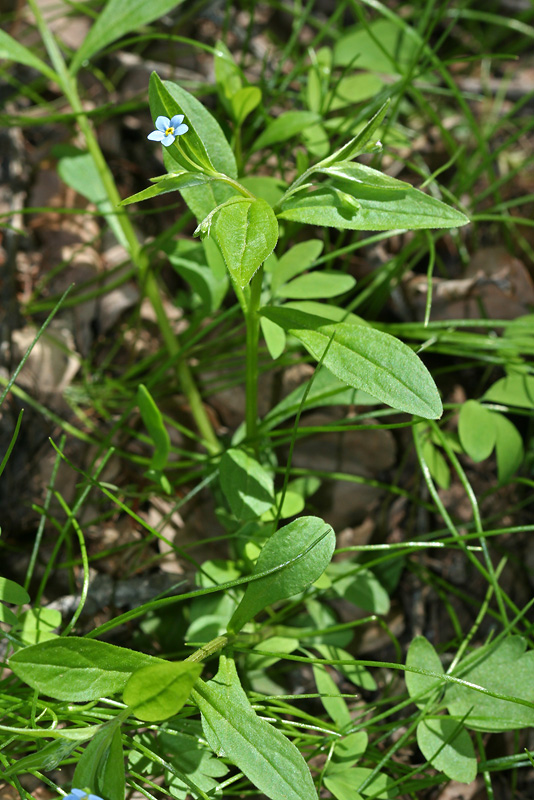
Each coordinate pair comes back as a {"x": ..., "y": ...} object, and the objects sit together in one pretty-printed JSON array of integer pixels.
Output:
[
  {"x": 137, "y": 254},
  {"x": 252, "y": 320}
]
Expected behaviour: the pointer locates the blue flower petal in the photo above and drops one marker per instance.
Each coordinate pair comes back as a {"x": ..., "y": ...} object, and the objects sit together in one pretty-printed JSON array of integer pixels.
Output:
[
  {"x": 162, "y": 123},
  {"x": 181, "y": 129},
  {"x": 177, "y": 120},
  {"x": 156, "y": 136},
  {"x": 167, "y": 140}
]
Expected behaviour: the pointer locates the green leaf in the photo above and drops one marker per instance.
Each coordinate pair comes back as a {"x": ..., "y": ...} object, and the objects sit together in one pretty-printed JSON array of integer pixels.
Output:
[
  {"x": 348, "y": 751},
  {"x": 95, "y": 669},
  {"x": 118, "y": 18},
  {"x": 508, "y": 447},
  {"x": 354, "y": 89},
  {"x": 268, "y": 759},
  {"x": 11, "y": 592},
  {"x": 382, "y": 46},
  {"x": 359, "y": 587},
  {"x": 447, "y": 745},
  {"x": 7, "y": 616},
  {"x": 37, "y": 625},
  {"x": 317, "y": 284},
  {"x": 274, "y": 336},
  {"x": 156, "y": 429},
  {"x": 504, "y": 668},
  {"x": 159, "y": 691},
  {"x": 366, "y": 359},
  {"x": 360, "y": 142},
  {"x": 208, "y": 280},
  {"x": 514, "y": 390},
  {"x": 477, "y": 430},
  {"x": 78, "y": 170},
  {"x": 174, "y": 183},
  {"x": 354, "y": 672},
  {"x": 344, "y": 784},
  {"x": 334, "y": 704},
  {"x": 244, "y": 102},
  {"x": 294, "y": 261},
  {"x": 422, "y": 655},
  {"x": 246, "y": 233},
  {"x": 308, "y": 537},
  {"x": 247, "y": 486},
  {"x": 361, "y": 198},
  {"x": 439, "y": 469},
  {"x": 45, "y": 758},
  {"x": 265, "y": 186},
  {"x": 227, "y": 73},
  {"x": 12, "y": 50},
  {"x": 285, "y": 127},
  {"x": 185, "y": 750},
  {"x": 102, "y": 764}
]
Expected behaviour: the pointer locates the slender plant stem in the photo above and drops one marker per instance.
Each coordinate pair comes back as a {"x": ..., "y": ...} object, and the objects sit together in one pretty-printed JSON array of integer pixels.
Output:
[
  {"x": 252, "y": 319},
  {"x": 137, "y": 254}
]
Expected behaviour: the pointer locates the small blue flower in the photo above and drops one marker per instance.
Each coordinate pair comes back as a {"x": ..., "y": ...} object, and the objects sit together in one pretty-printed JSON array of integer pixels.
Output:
[
  {"x": 80, "y": 794},
  {"x": 168, "y": 129}
]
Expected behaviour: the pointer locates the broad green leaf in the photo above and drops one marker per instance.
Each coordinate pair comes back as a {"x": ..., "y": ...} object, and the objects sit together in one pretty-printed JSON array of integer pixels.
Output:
[
  {"x": 382, "y": 46},
  {"x": 422, "y": 655},
  {"x": 102, "y": 764},
  {"x": 7, "y": 616},
  {"x": 317, "y": 284},
  {"x": 285, "y": 127},
  {"x": 334, "y": 704},
  {"x": 277, "y": 645},
  {"x": 244, "y": 102},
  {"x": 268, "y": 759},
  {"x": 354, "y": 89},
  {"x": 294, "y": 261},
  {"x": 508, "y": 447},
  {"x": 439, "y": 469},
  {"x": 94, "y": 669},
  {"x": 118, "y": 18},
  {"x": 186, "y": 751},
  {"x": 360, "y": 588},
  {"x": 326, "y": 390},
  {"x": 447, "y": 745},
  {"x": 349, "y": 204},
  {"x": 348, "y": 751},
  {"x": 345, "y": 784},
  {"x": 274, "y": 336},
  {"x": 45, "y": 758},
  {"x": 247, "y": 486},
  {"x": 12, "y": 50},
  {"x": 504, "y": 668},
  {"x": 78, "y": 170},
  {"x": 477, "y": 430},
  {"x": 514, "y": 390},
  {"x": 246, "y": 233},
  {"x": 154, "y": 424},
  {"x": 159, "y": 691},
  {"x": 366, "y": 359},
  {"x": 37, "y": 625},
  {"x": 12, "y": 592},
  {"x": 354, "y": 672},
  {"x": 308, "y": 537},
  {"x": 174, "y": 183}
]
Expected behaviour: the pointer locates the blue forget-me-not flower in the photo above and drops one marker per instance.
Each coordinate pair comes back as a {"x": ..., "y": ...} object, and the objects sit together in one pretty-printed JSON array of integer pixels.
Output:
[
  {"x": 168, "y": 129},
  {"x": 80, "y": 794}
]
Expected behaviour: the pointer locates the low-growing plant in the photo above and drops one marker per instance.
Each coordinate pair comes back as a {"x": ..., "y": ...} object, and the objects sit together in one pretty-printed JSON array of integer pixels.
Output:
[{"x": 211, "y": 713}]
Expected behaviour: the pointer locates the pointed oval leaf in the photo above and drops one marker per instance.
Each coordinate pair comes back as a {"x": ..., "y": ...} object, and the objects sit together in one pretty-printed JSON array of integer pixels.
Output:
[
  {"x": 12, "y": 592},
  {"x": 447, "y": 745},
  {"x": 159, "y": 691},
  {"x": 508, "y": 447},
  {"x": 259, "y": 750},
  {"x": 422, "y": 655},
  {"x": 317, "y": 285},
  {"x": 12, "y": 50},
  {"x": 102, "y": 764},
  {"x": 247, "y": 485},
  {"x": 366, "y": 359},
  {"x": 303, "y": 549},
  {"x": 77, "y": 669},
  {"x": 514, "y": 390},
  {"x": 246, "y": 233},
  {"x": 477, "y": 430},
  {"x": 284, "y": 127},
  {"x": 294, "y": 261},
  {"x": 154, "y": 423}
]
